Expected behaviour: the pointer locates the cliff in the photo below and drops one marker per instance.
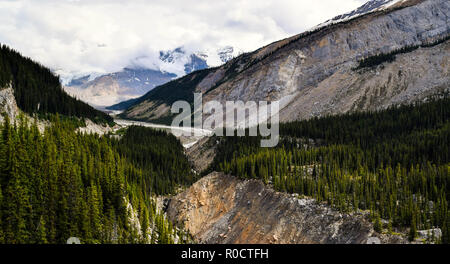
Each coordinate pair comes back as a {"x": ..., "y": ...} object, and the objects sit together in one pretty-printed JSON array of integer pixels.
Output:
[{"x": 8, "y": 104}]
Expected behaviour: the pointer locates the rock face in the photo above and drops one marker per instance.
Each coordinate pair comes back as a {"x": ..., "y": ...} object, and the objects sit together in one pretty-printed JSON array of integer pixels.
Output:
[
  {"x": 202, "y": 153},
  {"x": 8, "y": 104},
  {"x": 93, "y": 128},
  {"x": 223, "y": 209},
  {"x": 312, "y": 74}
]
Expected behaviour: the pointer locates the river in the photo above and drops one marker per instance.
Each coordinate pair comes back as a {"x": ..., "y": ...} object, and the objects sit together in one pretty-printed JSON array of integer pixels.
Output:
[{"x": 187, "y": 141}]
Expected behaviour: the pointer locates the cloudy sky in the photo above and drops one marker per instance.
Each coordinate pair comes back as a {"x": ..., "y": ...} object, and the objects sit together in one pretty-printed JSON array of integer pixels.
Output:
[{"x": 80, "y": 36}]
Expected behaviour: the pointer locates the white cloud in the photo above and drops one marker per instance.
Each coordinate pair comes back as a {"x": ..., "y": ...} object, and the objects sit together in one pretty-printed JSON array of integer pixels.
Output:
[{"x": 77, "y": 36}]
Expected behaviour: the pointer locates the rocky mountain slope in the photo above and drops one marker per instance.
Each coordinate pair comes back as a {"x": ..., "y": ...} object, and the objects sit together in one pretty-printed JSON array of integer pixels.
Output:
[
  {"x": 201, "y": 154},
  {"x": 222, "y": 209},
  {"x": 314, "y": 73}
]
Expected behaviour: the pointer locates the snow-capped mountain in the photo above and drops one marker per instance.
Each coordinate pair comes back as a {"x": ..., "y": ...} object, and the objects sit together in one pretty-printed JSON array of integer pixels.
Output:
[
  {"x": 369, "y": 7},
  {"x": 181, "y": 62},
  {"x": 142, "y": 75},
  {"x": 190, "y": 62},
  {"x": 111, "y": 88}
]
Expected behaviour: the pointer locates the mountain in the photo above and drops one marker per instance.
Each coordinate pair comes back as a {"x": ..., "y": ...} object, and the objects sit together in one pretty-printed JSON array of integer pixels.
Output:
[
  {"x": 392, "y": 53},
  {"x": 111, "y": 88},
  {"x": 102, "y": 90},
  {"x": 37, "y": 90},
  {"x": 191, "y": 62}
]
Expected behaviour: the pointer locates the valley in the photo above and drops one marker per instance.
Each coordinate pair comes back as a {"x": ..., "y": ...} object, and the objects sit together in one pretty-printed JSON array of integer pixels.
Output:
[
  {"x": 187, "y": 142},
  {"x": 363, "y": 153}
]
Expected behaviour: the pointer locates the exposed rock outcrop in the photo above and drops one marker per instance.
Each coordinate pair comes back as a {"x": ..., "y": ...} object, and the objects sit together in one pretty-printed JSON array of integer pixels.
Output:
[
  {"x": 202, "y": 153},
  {"x": 223, "y": 209},
  {"x": 93, "y": 128},
  {"x": 8, "y": 104}
]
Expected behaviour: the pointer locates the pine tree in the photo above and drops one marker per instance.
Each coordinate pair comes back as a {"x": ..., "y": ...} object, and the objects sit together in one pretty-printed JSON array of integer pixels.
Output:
[
  {"x": 389, "y": 227},
  {"x": 446, "y": 231},
  {"x": 2, "y": 237},
  {"x": 41, "y": 233},
  {"x": 378, "y": 226},
  {"x": 413, "y": 229}
]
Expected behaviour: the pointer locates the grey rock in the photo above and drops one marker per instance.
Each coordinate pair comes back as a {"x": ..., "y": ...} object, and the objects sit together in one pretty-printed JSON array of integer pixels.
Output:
[{"x": 8, "y": 104}]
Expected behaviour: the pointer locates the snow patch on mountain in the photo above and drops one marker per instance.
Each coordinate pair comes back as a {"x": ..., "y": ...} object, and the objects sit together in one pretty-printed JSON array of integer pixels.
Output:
[
  {"x": 66, "y": 78},
  {"x": 181, "y": 62},
  {"x": 369, "y": 7},
  {"x": 220, "y": 56}
]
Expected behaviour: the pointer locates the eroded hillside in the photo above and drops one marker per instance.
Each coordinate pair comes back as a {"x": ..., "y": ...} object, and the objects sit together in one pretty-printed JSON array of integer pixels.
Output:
[{"x": 224, "y": 209}]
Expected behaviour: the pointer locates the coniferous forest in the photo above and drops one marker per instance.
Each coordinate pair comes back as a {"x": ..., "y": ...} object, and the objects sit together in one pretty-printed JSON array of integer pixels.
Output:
[
  {"x": 160, "y": 157},
  {"x": 63, "y": 184},
  {"x": 394, "y": 163},
  {"x": 59, "y": 183}
]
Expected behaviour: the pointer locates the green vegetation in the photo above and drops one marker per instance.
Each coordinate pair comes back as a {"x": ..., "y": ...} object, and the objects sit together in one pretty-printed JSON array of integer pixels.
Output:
[
  {"x": 38, "y": 90},
  {"x": 159, "y": 155},
  {"x": 378, "y": 59},
  {"x": 63, "y": 184},
  {"x": 394, "y": 163},
  {"x": 60, "y": 184}
]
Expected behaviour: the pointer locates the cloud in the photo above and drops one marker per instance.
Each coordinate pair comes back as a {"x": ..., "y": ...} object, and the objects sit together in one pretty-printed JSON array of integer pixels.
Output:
[{"x": 80, "y": 36}]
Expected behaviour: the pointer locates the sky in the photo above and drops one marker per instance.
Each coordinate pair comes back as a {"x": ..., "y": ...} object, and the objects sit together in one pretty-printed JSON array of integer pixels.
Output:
[{"x": 74, "y": 37}]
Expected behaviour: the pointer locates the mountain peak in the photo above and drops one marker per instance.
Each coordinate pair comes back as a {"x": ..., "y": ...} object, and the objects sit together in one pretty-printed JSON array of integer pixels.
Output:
[
  {"x": 368, "y": 7},
  {"x": 171, "y": 56}
]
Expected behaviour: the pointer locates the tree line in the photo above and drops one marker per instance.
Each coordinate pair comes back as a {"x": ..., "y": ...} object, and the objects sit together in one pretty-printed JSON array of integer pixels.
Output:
[{"x": 375, "y": 60}]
